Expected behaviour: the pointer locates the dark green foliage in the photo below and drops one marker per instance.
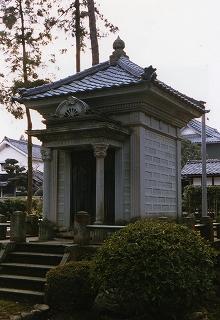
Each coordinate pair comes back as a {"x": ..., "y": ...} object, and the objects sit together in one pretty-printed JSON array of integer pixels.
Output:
[
  {"x": 155, "y": 268},
  {"x": 70, "y": 287},
  {"x": 189, "y": 151},
  {"x": 8, "y": 206},
  {"x": 192, "y": 199},
  {"x": 22, "y": 35},
  {"x": 17, "y": 175}
]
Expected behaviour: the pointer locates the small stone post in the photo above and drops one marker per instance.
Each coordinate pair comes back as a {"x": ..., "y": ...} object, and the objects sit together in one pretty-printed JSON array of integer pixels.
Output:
[
  {"x": 81, "y": 234},
  {"x": 189, "y": 222},
  {"x": 3, "y": 229},
  {"x": 32, "y": 227},
  {"x": 46, "y": 230},
  {"x": 218, "y": 231},
  {"x": 207, "y": 231},
  {"x": 18, "y": 227}
]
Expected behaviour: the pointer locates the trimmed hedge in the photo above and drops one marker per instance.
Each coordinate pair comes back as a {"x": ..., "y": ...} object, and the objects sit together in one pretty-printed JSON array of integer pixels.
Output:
[
  {"x": 192, "y": 199},
  {"x": 158, "y": 268},
  {"x": 70, "y": 287},
  {"x": 9, "y": 205}
]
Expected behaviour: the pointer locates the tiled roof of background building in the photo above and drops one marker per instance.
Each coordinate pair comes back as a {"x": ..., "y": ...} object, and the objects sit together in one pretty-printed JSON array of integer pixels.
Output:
[
  {"x": 194, "y": 167},
  {"x": 22, "y": 145},
  {"x": 212, "y": 134}
]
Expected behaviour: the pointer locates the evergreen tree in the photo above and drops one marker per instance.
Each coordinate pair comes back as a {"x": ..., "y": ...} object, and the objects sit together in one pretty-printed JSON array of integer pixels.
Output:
[
  {"x": 23, "y": 32},
  {"x": 74, "y": 17},
  {"x": 17, "y": 175},
  {"x": 189, "y": 151},
  {"x": 93, "y": 32}
]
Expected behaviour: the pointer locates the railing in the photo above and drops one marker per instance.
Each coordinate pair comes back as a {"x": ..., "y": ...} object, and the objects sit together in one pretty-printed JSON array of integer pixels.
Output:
[
  {"x": 86, "y": 233},
  {"x": 99, "y": 233}
]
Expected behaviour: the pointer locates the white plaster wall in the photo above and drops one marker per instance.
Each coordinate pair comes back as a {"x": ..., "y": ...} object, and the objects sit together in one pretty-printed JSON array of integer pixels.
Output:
[
  {"x": 7, "y": 152},
  {"x": 160, "y": 175},
  {"x": 37, "y": 165},
  {"x": 217, "y": 181},
  {"x": 197, "y": 181}
]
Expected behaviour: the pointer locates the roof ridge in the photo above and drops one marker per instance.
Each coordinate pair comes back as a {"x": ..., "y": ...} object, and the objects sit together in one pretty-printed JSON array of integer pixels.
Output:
[
  {"x": 200, "y": 161},
  {"x": 77, "y": 76},
  {"x": 122, "y": 63},
  {"x": 20, "y": 141},
  {"x": 177, "y": 92},
  {"x": 210, "y": 131}
]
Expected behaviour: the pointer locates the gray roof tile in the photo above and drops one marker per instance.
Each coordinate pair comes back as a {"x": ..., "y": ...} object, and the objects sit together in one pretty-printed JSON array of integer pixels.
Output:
[
  {"x": 212, "y": 134},
  {"x": 22, "y": 145},
  {"x": 194, "y": 167},
  {"x": 101, "y": 76}
]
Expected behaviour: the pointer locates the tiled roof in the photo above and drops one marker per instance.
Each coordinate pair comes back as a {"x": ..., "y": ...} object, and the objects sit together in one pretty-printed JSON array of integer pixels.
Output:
[
  {"x": 22, "y": 145},
  {"x": 212, "y": 134},
  {"x": 38, "y": 176},
  {"x": 98, "y": 77},
  {"x": 194, "y": 167}
]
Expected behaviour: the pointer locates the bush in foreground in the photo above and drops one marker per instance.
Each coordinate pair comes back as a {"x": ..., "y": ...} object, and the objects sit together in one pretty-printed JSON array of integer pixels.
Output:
[
  {"x": 70, "y": 287},
  {"x": 162, "y": 269}
]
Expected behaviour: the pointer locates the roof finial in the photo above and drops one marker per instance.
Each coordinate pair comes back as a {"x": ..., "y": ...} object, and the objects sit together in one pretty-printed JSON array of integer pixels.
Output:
[{"x": 118, "y": 46}]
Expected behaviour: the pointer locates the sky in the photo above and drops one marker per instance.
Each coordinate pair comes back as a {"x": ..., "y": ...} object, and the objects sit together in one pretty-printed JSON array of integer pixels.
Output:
[{"x": 179, "y": 38}]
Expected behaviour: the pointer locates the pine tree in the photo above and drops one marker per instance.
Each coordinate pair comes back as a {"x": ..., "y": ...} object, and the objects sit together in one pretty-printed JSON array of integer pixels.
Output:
[
  {"x": 23, "y": 32},
  {"x": 74, "y": 17},
  {"x": 93, "y": 32}
]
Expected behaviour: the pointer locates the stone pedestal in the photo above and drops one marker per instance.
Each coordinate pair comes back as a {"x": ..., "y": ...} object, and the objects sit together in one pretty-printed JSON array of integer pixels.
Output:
[
  {"x": 46, "y": 230},
  {"x": 100, "y": 151},
  {"x": 32, "y": 225},
  {"x": 189, "y": 222},
  {"x": 207, "y": 231},
  {"x": 81, "y": 233},
  {"x": 18, "y": 227},
  {"x": 3, "y": 229},
  {"x": 217, "y": 230}
]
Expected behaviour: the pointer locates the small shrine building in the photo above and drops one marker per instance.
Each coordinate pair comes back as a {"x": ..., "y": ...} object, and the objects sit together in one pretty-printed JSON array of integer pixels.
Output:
[{"x": 112, "y": 143}]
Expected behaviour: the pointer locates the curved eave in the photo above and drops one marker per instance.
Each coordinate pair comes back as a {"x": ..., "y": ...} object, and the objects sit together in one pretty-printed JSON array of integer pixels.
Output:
[
  {"x": 177, "y": 98},
  {"x": 141, "y": 85},
  {"x": 198, "y": 175}
]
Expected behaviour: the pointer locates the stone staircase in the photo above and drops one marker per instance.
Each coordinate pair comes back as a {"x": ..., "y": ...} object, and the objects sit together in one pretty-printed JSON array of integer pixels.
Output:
[{"x": 23, "y": 272}]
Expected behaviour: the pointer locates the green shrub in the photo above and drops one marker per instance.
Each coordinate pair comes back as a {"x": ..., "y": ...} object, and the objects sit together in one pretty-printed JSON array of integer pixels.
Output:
[
  {"x": 9, "y": 205},
  {"x": 154, "y": 267},
  {"x": 70, "y": 287},
  {"x": 192, "y": 199}
]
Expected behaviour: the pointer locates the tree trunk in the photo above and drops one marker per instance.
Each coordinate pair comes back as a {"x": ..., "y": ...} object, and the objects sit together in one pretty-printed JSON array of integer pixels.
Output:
[
  {"x": 93, "y": 32},
  {"x": 29, "y": 123},
  {"x": 30, "y": 169},
  {"x": 77, "y": 34}
]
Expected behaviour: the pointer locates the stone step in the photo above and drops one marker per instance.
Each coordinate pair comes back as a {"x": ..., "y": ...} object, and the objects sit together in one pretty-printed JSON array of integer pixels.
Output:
[
  {"x": 22, "y": 282},
  {"x": 36, "y": 270},
  {"x": 23, "y": 272},
  {"x": 34, "y": 257},
  {"x": 39, "y": 247},
  {"x": 22, "y": 295}
]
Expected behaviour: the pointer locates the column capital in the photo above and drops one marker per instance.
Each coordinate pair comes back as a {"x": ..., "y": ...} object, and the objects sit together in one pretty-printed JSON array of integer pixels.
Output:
[
  {"x": 46, "y": 154},
  {"x": 100, "y": 150}
]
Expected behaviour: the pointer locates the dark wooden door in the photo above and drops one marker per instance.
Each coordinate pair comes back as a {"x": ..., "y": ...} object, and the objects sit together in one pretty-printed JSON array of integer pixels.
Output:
[
  {"x": 83, "y": 183},
  {"x": 83, "y": 190}
]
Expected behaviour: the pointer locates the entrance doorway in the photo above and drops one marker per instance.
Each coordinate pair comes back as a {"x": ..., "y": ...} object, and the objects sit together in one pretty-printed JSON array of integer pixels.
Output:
[{"x": 83, "y": 184}]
